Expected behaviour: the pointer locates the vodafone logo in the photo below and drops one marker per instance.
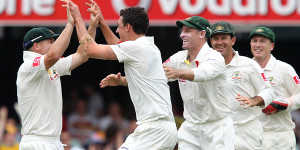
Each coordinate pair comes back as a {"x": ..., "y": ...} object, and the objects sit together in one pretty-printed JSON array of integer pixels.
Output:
[
  {"x": 159, "y": 11},
  {"x": 219, "y": 7}
]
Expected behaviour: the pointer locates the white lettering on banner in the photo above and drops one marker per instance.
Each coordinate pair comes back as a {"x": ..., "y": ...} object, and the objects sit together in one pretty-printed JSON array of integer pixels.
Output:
[
  {"x": 223, "y": 9},
  {"x": 26, "y": 8},
  {"x": 40, "y": 7},
  {"x": 2, "y": 6},
  {"x": 248, "y": 9},
  {"x": 168, "y": 6},
  {"x": 280, "y": 9},
  {"x": 262, "y": 7},
  {"x": 192, "y": 9},
  {"x": 119, "y": 4},
  {"x": 43, "y": 7},
  {"x": 11, "y": 9}
]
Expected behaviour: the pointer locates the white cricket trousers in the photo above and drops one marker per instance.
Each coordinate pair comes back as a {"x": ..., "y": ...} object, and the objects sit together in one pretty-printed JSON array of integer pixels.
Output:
[
  {"x": 279, "y": 140},
  {"x": 216, "y": 135},
  {"x": 34, "y": 142},
  {"x": 249, "y": 136},
  {"x": 156, "y": 135}
]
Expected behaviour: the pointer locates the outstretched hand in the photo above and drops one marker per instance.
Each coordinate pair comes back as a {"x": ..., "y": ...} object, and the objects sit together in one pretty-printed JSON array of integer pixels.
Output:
[
  {"x": 111, "y": 80},
  {"x": 73, "y": 9},
  {"x": 249, "y": 102},
  {"x": 96, "y": 14}
]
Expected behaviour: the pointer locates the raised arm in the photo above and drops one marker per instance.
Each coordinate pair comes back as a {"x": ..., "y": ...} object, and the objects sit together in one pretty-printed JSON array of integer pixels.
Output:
[
  {"x": 87, "y": 43},
  {"x": 109, "y": 36},
  {"x": 58, "y": 48}
]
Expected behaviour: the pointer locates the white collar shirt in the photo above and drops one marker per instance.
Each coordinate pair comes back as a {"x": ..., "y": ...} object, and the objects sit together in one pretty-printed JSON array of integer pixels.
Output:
[
  {"x": 201, "y": 102},
  {"x": 285, "y": 83},
  {"x": 39, "y": 95},
  {"x": 146, "y": 79},
  {"x": 244, "y": 76}
]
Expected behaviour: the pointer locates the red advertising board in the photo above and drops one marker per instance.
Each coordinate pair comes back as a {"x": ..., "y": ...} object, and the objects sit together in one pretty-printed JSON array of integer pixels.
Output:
[{"x": 161, "y": 12}]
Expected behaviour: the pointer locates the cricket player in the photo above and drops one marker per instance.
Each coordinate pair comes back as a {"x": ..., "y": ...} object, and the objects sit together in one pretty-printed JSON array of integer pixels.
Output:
[
  {"x": 146, "y": 80},
  {"x": 277, "y": 122},
  {"x": 244, "y": 77},
  {"x": 39, "y": 87},
  {"x": 200, "y": 73}
]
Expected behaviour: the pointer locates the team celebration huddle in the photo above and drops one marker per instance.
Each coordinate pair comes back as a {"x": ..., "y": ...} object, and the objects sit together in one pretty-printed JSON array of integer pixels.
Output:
[{"x": 231, "y": 102}]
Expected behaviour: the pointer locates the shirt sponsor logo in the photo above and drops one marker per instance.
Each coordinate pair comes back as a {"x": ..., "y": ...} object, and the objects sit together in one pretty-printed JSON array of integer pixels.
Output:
[
  {"x": 36, "y": 61},
  {"x": 296, "y": 79}
]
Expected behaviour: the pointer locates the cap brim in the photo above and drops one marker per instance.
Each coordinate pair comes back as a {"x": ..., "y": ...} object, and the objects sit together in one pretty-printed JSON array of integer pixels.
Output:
[
  {"x": 221, "y": 32},
  {"x": 260, "y": 34},
  {"x": 55, "y": 36},
  {"x": 181, "y": 23}
]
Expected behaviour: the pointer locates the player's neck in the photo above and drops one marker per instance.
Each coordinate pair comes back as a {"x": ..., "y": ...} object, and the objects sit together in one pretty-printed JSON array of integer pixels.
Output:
[
  {"x": 263, "y": 61},
  {"x": 134, "y": 36},
  {"x": 194, "y": 51},
  {"x": 229, "y": 57}
]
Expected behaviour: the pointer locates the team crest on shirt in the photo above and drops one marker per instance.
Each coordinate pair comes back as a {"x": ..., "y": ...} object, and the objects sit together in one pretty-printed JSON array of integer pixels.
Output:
[
  {"x": 236, "y": 75},
  {"x": 52, "y": 74},
  {"x": 271, "y": 80}
]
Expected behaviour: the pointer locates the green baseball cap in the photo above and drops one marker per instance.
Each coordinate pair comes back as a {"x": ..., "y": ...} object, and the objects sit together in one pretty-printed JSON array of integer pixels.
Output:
[
  {"x": 196, "y": 22},
  {"x": 37, "y": 35},
  {"x": 263, "y": 31},
  {"x": 222, "y": 28}
]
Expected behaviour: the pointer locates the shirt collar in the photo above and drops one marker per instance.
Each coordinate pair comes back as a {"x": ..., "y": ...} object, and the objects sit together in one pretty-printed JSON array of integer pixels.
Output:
[
  {"x": 29, "y": 55},
  {"x": 235, "y": 60},
  {"x": 271, "y": 63},
  {"x": 202, "y": 53},
  {"x": 147, "y": 38}
]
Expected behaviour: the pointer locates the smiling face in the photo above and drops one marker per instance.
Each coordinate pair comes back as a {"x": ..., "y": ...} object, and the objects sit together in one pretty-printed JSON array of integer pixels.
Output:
[
  {"x": 261, "y": 47},
  {"x": 223, "y": 43},
  {"x": 190, "y": 37}
]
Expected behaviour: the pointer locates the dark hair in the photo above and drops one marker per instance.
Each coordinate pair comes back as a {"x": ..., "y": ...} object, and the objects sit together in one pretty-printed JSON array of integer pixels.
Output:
[{"x": 137, "y": 18}]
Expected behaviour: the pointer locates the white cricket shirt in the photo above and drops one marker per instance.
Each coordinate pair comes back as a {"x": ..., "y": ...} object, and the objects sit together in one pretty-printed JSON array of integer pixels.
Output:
[
  {"x": 146, "y": 79},
  {"x": 285, "y": 83},
  {"x": 40, "y": 96},
  {"x": 201, "y": 101},
  {"x": 245, "y": 77}
]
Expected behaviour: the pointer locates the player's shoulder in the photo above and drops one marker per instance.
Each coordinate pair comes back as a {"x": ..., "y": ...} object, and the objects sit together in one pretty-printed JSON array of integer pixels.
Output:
[
  {"x": 211, "y": 53},
  {"x": 182, "y": 54},
  {"x": 284, "y": 67}
]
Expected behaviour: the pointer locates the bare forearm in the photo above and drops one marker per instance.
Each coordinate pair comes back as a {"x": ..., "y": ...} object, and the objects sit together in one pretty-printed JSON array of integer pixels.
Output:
[
  {"x": 80, "y": 28},
  {"x": 109, "y": 36},
  {"x": 78, "y": 59},
  {"x": 60, "y": 45},
  {"x": 92, "y": 30}
]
